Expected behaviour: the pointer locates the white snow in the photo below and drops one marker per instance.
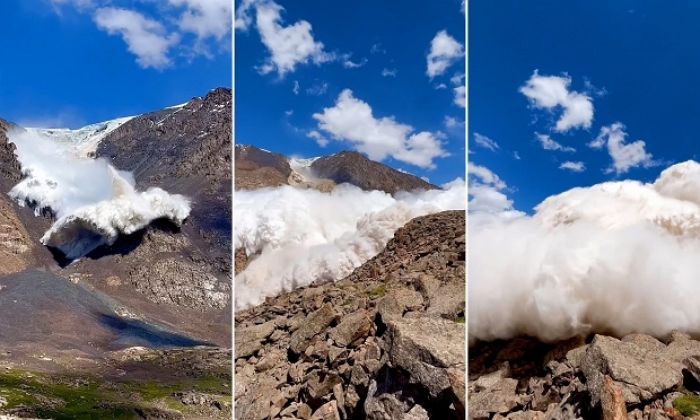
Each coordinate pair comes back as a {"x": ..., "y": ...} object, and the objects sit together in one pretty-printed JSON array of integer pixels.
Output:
[
  {"x": 83, "y": 140},
  {"x": 92, "y": 201}
]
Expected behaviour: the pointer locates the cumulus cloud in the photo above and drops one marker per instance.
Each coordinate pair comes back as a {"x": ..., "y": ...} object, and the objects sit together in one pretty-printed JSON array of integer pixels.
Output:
[
  {"x": 352, "y": 120},
  {"x": 205, "y": 18},
  {"x": 147, "y": 39},
  {"x": 548, "y": 143},
  {"x": 389, "y": 72},
  {"x": 617, "y": 257},
  {"x": 551, "y": 92},
  {"x": 573, "y": 166},
  {"x": 625, "y": 156},
  {"x": 298, "y": 236},
  {"x": 93, "y": 203},
  {"x": 486, "y": 142},
  {"x": 288, "y": 45},
  {"x": 444, "y": 51}
]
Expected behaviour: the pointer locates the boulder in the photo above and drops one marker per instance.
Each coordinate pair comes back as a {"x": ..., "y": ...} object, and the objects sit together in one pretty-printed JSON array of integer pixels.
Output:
[
  {"x": 640, "y": 373},
  {"x": 315, "y": 323}
]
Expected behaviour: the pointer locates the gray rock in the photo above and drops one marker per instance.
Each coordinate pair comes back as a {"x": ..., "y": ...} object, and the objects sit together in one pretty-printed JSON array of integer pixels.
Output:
[
  {"x": 352, "y": 328},
  {"x": 319, "y": 383},
  {"x": 426, "y": 347},
  {"x": 315, "y": 323},
  {"x": 249, "y": 339},
  {"x": 328, "y": 411},
  {"x": 641, "y": 374},
  {"x": 499, "y": 398}
]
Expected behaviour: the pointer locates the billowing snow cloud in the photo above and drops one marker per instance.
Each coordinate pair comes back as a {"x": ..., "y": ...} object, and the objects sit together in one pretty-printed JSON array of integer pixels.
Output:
[
  {"x": 550, "y": 92},
  {"x": 617, "y": 257},
  {"x": 93, "y": 203},
  {"x": 486, "y": 193},
  {"x": 352, "y": 120},
  {"x": 625, "y": 156},
  {"x": 297, "y": 236},
  {"x": 444, "y": 51}
]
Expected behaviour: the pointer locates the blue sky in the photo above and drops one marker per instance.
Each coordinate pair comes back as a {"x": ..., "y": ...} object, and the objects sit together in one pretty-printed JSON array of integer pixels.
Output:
[
  {"x": 365, "y": 88},
  {"x": 68, "y": 62},
  {"x": 636, "y": 62}
]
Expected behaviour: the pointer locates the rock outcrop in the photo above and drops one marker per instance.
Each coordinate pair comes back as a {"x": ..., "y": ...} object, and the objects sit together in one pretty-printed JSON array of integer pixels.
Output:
[
  {"x": 379, "y": 344},
  {"x": 635, "y": 377},
  {"x": 257, "y": 168},
  {"x": 356, "y": 169}
]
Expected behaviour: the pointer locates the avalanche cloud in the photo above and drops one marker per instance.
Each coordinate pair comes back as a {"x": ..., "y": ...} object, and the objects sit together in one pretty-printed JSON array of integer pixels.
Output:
[
  {"x": 93, "y": 203},
  {"x": 617, "y": 257},
  {"x": 298, "y": 236}
]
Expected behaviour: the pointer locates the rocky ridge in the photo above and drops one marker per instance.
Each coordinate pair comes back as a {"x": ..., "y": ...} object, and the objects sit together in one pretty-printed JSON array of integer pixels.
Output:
[
  {"x": 635, "y": 377},
  {"x": 387, "y": 342}
]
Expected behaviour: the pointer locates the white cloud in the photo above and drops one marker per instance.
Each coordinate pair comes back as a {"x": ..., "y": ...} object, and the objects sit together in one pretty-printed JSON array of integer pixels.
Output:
[
  {"x": 80, "y": 4},
  {"x": 573, "y": 166},
  {"x": 486, "y": 191},
  {"x": 318, "y": 89},
  {"x": 352, "y": 120},
  {"x": 452, "y": 122},
  {"x": 460, "y": 96},
  {"x": 516, "y": 155},
  {"x": 444, "y": 51},
  {"x": 145, "y": 38},
  {"x": 289, "y": 112},
  {"x": 549, "y": 92},
  {"x": 320, "y": 139},
  {"x": 377, "y": 49},
  {"x": 486, "y": 142},
  {"x": 389, "y": 72},
  {"x": 295, "y": 89},
  {"x": 549, "y": 144},
  {"x": 205, "y": 18},
  {"x": 349, "y": 64},
  {"x": 288, "y": 45},
  {"x": 624, "y": 155}
]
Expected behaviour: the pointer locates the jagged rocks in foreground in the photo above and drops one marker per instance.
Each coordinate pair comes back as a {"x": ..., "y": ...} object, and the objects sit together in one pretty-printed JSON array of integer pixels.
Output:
[
  {"x": 387, "y": 342},
  {"x": 636, "y": 377}
]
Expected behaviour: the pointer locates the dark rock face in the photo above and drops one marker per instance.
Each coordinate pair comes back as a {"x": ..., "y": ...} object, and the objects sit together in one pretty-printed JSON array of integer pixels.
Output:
[
  {"x": 256, "y": 168},
  {"x": 354, "y": 168},
  {"x": 636, "y": 377},
  {"x": 191, "y": 141},
  {"x": 185, "y": 150},
  {"x": 10, "y": 170},
  {"x": 372, "y": 345}
]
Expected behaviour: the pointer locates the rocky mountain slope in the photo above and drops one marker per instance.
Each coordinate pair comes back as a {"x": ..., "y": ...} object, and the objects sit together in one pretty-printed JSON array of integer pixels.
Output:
[
  {"x": 356, "y": 169},
  {"x": 185, "y": 150},
  {"x": 67, "y": 333},
  {"x": 387, "y": 342},
  {"x": 257, "y": 168},
  {"x": 635, "y": 377}
]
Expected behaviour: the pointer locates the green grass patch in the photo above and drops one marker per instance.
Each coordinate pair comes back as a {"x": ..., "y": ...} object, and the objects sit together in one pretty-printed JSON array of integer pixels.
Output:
[
  {"x": 687, "y": 405},
  {"x": 65, "y": 398},
  {"x": 377, "y": 292}
]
